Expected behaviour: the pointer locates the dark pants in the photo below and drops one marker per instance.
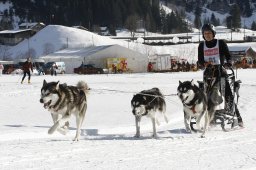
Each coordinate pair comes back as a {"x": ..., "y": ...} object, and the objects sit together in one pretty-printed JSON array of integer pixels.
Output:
[
  {"x": 26, "y": 72},
  {"x": 53, "y": 72}
]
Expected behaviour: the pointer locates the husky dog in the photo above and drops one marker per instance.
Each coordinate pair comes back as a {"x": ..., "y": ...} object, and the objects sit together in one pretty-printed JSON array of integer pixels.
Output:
[
  {"x": 62, "y": 101},
  {"x": 147, "y": 103},
  {"x": 194, "y": 105}
]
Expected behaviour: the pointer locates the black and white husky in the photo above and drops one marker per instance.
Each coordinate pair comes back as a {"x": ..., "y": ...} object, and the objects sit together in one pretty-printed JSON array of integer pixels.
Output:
[
  {"x": 148, "y": 103},
  {"x": 194, "y": 105},
  {"x": 62, "y": 101}
]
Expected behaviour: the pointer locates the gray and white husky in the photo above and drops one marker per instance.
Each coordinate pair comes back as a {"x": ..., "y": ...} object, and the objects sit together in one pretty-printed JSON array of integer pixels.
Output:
[
  {"x": 62, "y": 101},
  {"x": 148, "y": 103},
  {"x": 194, "y": 106}
]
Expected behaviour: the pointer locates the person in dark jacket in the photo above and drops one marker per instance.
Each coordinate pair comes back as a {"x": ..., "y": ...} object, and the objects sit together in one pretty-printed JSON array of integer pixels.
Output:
[
  {"x": 215, "y": 53},
  {"x": 27, "y": 66}
]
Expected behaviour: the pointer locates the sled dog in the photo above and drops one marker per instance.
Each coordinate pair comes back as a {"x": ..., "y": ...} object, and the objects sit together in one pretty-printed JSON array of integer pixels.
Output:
[
  {"x": 194, "y": 106},
  {"x": 148, "y": 103},
  {"x": 62, "y": 101}
]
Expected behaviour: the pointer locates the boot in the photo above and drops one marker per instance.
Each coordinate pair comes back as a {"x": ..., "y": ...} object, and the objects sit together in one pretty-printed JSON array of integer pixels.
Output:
[
  {"x": 28, "y": 81},
  {"x": 21, "y": 82},
  {"x": 240, "y": 122}
]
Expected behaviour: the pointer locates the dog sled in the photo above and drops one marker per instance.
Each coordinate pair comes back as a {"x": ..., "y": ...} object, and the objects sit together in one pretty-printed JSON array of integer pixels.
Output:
[{"x": 222, "y": 91}]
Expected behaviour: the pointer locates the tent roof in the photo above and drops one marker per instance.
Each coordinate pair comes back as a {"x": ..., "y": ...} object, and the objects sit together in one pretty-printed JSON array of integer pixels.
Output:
[{"x": 77, "y": 52}]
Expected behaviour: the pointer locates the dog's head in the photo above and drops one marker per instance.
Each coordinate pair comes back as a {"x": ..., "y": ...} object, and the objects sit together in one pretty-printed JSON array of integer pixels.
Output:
[
  {"x": 139, "y": 103},
  {"x": 49, "y": 94},
  {"x": 186, "y": 91}
]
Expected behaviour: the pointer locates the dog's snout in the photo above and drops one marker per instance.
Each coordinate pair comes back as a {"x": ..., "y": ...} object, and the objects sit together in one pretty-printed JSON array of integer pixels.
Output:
[{"x": 41, "y": 100}]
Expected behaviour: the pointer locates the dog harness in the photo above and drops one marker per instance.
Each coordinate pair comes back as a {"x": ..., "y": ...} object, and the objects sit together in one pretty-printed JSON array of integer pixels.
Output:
[{"x": 192, "y": 105}]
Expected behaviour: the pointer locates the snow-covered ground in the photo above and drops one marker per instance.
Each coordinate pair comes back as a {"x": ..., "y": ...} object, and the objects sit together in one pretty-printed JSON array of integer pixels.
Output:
[{"x": 107, "y": 140}]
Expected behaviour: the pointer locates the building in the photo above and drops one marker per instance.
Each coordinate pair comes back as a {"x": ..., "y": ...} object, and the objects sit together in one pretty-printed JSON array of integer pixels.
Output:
[
  {"x": 237, "y": 52},
  {"x": 100, "y": 56},
  {"x": 35, "y": 26},
  {"x": 26, "y": 30},
  {"x": 13, "y": 37}
]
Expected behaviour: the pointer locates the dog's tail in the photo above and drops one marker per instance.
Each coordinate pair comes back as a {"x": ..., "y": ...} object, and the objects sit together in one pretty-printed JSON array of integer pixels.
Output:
[{"x": 81, "y": 85}]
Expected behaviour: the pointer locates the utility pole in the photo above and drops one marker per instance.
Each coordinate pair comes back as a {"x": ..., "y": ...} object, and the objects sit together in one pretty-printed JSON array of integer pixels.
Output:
[
  {"x": 28, "y": 49},
  {"x": 231, "y": 28},
  {"x": 244, "y": 28},
  {"x": 187, "y": 30}
]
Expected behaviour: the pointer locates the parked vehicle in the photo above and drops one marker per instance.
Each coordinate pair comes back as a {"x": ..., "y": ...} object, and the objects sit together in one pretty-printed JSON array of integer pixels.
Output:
[
  {"x": 61, "y": 67},
  {"x": 9, "y": 68},
  {"x": 88, "y": 69}
]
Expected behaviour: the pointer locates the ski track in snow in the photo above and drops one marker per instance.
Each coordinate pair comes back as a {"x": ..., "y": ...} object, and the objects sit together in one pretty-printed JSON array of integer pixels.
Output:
[{"x": 107, "y": 140}]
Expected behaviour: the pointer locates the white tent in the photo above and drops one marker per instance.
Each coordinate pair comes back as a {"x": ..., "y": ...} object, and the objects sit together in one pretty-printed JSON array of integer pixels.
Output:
[{"x": 98, "y": 55}]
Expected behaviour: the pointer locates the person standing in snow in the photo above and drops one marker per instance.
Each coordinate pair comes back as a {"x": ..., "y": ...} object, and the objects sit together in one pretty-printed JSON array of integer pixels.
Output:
[
  {"x": 1, "y": 68},
  {"x": 27, "y": 66},
  {"x": 215, "y": 53},
  {"x": 54, "y": 69}
]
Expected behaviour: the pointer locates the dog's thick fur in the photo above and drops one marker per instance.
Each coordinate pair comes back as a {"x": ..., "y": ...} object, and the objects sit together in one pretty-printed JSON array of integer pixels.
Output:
[
  {"x": 148, "y": 103},
  {"x": 194, "y": 105},
  {"x": 62, "y": 101}
]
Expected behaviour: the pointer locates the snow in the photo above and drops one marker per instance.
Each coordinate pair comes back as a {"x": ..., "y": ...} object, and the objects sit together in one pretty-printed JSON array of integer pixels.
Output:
[{"x": 107, "y": 140}]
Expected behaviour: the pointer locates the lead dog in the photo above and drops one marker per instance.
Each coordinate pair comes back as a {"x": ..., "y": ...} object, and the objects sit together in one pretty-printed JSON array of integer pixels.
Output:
[
  {"x": 194, "y": 106},
  {"x": 62, "y": 101},
  {"x": 147, "y": 103}
]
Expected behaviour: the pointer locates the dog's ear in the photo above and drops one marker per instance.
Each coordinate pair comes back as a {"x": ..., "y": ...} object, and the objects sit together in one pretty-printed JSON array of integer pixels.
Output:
[
  {"x": 44, "y": 83},
  {"x": 180, "y": 82},
  {"x": 58, "y": 85},
  {"x": 192, "y": 82}
]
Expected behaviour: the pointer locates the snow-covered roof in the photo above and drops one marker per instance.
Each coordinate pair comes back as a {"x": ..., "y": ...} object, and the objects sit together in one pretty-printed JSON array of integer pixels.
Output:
[
  {"x": 28, "y": 24},
  {"x": 13, "y": 31},
  {"x": 238, "y": 48}
]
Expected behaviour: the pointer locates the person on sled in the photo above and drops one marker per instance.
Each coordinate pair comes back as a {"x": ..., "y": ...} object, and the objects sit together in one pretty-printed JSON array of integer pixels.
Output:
[{"x": 215, "y": 53}]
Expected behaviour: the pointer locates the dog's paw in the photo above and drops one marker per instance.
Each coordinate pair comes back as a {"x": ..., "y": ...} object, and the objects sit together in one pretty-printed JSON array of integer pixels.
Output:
[
  {"x": 137, "y": 136},
  {"x": 155, "y": 136},
  {"x": 51, "y": 130},
  {"x": 188, "y": 130},
  {"x": 76, "y": 139},
  {"x": 62, "y": 130}
]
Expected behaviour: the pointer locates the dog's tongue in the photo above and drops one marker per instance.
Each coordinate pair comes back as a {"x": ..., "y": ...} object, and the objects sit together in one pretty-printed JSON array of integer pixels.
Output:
[{"x": 45, "y": 105}]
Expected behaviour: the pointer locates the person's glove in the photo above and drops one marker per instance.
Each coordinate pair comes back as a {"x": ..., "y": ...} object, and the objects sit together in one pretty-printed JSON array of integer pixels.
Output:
[{"x": 228, "y": 65}]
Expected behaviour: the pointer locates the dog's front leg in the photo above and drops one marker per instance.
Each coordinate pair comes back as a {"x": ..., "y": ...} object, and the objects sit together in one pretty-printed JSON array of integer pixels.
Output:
[
  {"x": 187, "y": 120},
  {"x": 59, "y": 123},
  {"x": 153, "y": 119},
  {"x": 55, "y": 117},
  {"x": 206, "y": 123},
  {"x": 137, "y": 122}
]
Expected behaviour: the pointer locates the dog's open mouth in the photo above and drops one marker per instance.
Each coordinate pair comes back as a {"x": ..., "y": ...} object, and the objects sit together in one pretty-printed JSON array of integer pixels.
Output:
[{"x": 46, "y": 105}]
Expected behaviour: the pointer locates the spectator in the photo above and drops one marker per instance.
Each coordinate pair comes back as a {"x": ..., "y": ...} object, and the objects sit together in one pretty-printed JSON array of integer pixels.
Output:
[
  {"x": 27, "y": 66},
  {"x": 1, "y": 68},
  {"x": 150, "y": 67},
  {"x": 53, "y": 69}
]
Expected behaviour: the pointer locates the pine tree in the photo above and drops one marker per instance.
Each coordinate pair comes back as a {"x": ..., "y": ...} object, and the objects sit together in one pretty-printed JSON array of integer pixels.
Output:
[
  {"x": 197, "y": 22},
  {"x": 253, "y": 26},
  {"x": 213, "y": 20},
  {"x": 234, "y": 20},
  {"x": 248, "y": 9}
]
